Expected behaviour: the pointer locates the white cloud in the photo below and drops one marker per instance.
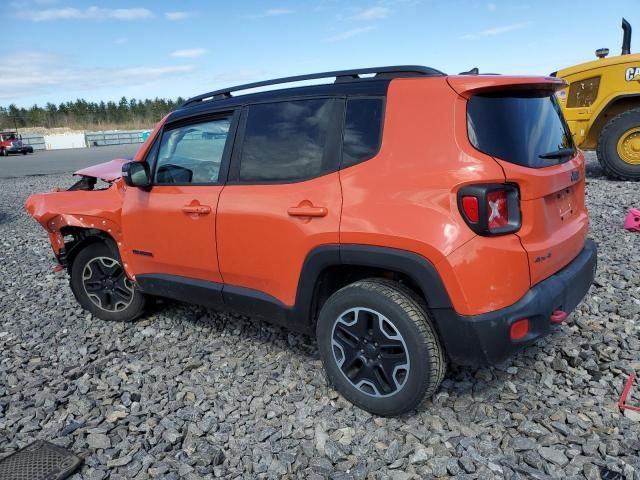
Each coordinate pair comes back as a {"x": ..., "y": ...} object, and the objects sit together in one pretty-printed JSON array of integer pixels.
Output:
[
  {"x": 178, "y": 15},
  {"x": 34, "y": 73},
  {"x": 373, "y": 13},
  {"x": 189, "y": 52},
  {"x": 273, "y": 12},
  {"x": 492, "y": 32},
  {"x": 89, "y": 13},
  {"x": 350, "y": 33}
]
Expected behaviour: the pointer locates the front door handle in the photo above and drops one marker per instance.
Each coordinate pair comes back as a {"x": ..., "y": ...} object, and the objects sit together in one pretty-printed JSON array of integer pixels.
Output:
[
  {"x": 197, "y": 209},
  {"x": 308, "y": 211}
]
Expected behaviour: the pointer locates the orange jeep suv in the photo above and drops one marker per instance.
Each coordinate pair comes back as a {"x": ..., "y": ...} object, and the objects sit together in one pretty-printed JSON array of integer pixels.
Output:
[{"x": 406, "y": 217}]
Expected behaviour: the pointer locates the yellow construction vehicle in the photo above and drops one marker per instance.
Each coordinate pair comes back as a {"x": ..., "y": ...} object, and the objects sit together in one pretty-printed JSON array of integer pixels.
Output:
[{"x": 602, "y": 107}]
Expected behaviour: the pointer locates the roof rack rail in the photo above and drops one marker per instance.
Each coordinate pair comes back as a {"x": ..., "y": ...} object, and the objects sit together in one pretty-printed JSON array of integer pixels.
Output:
[{"x": 340, "y": 76}]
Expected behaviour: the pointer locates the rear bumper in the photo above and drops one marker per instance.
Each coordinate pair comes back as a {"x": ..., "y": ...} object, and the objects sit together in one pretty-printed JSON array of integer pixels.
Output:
[{"x": 485, "y": 339}]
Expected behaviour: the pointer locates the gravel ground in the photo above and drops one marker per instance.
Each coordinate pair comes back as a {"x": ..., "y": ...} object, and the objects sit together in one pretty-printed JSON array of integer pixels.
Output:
[{"x": 188, "y": 393}]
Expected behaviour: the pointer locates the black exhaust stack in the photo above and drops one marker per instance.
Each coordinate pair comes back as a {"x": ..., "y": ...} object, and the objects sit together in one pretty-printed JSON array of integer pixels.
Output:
[{"x": 626, "y": 38}]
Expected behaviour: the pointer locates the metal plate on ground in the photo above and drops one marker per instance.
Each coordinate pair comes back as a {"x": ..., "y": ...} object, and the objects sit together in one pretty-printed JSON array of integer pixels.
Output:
[{"x": 39, "y": 461}]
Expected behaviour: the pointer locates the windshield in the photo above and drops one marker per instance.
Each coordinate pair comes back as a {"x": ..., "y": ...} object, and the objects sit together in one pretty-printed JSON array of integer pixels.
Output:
[
  {"x": 519, "y": 127},
  {"x": 9, "y": 136}
]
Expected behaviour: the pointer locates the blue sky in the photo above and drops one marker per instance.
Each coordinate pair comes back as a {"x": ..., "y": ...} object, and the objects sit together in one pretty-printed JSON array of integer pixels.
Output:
[{"x": 60, "y": 50}]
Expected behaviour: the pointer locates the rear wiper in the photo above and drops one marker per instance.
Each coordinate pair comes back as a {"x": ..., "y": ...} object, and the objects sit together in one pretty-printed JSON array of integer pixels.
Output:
[{"x": 560, "y": 153}]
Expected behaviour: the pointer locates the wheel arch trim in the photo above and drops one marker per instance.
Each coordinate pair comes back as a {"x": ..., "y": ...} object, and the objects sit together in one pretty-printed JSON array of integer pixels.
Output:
[
  {"x": 598, "y": 120},
  {"x": 87, "y": 237},
  {"x": 415, "y": 266}
]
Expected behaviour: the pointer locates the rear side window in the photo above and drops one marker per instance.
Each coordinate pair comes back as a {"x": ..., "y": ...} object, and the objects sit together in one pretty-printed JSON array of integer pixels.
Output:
[
  {"x": 287, "y": 141},
  {"x": 519, "y": 127},
  {"x": 362, "y": 130}
]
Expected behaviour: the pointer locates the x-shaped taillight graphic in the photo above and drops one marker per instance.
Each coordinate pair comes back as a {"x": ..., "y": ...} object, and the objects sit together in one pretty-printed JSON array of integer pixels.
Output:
[{"x": 495, "y": 209}]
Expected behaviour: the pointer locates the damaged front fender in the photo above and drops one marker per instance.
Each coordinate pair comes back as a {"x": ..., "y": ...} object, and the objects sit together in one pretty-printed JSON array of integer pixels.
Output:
[{"x": 97, "y": 210}]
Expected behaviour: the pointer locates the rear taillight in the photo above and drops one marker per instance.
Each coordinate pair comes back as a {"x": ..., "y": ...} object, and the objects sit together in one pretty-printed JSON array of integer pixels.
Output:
[
  {"x": 498, "y": 209},
  {"x": 470, "y": 208},
  {"x": 490, "y": 209}
]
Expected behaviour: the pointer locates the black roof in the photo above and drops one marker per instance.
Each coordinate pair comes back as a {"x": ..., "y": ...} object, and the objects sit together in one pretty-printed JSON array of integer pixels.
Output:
[{"x": 346, "y": 82}]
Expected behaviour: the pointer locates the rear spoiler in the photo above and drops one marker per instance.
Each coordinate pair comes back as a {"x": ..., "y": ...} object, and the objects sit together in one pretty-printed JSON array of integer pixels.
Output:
[{"x": 469, "y": 84}]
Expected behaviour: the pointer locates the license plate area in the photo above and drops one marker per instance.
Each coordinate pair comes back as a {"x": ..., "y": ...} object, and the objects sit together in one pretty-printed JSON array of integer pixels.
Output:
[{"x": 564, "y": 203}]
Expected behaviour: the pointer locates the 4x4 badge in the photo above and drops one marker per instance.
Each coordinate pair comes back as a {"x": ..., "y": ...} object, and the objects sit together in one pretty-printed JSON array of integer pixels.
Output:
[{"x": 575, "y": 175}]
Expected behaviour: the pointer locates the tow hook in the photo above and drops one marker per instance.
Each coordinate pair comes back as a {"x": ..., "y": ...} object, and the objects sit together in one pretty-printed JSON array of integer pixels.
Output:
[{"x": 558, "y": 316}]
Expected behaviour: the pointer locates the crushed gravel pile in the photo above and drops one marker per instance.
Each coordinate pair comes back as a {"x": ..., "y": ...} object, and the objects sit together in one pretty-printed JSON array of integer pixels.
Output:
[{"x": 189, "y": 393}]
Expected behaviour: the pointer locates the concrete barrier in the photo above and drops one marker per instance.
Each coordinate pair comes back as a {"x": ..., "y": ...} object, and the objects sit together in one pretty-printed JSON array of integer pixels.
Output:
[{"x": 65, "y": 140}]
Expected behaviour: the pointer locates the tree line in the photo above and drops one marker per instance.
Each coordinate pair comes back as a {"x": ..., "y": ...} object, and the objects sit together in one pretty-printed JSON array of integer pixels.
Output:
[{"x": 81, "y": 114}]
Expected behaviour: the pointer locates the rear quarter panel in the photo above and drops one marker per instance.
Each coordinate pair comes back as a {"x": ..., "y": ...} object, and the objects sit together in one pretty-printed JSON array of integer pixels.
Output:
[{"x": 405, "y": 197}]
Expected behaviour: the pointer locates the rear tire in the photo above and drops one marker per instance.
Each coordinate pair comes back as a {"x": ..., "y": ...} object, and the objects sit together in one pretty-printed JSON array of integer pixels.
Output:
[
  {"x": 379, "y": 348},
  {"x": 101, "y": 286},
  {"x": 619, "y": 146},
  {"x": 3, "y": 153}
]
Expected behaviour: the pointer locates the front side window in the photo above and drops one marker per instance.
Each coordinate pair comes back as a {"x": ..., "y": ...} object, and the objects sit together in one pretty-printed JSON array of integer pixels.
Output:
[
  {"x": 286, "y": 141},
  {"x": 192, "y": 154}
]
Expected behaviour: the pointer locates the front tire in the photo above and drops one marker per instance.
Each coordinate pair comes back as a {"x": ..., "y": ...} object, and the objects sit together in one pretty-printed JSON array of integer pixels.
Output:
[
  {"x": 619, "y": 146},
  {"x": 101, "y": 286},
  {"x": 379, "y": 348}
]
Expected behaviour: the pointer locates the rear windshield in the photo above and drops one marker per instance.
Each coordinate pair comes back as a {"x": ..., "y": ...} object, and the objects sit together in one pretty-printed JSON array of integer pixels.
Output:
[{"x": 519, "y": 127}]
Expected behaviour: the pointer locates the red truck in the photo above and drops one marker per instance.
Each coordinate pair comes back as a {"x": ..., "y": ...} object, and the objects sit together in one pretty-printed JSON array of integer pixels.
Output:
[{"x": 11, "y": 142}]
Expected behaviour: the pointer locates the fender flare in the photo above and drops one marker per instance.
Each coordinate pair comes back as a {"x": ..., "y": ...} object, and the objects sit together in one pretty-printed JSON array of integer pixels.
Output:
[
  {"x": 93, "y": 235},
  {"x": 415, "y": 266},
  {"x": 609, "y": 104}
]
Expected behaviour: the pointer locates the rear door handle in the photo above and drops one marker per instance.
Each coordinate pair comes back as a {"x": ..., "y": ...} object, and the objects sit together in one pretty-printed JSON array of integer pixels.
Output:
[
  {"x": 197, "y": 209},
  {"x": 307, "y": 211}
]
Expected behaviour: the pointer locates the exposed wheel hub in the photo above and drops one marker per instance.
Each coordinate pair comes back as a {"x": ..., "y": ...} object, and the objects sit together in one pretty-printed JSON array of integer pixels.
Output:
[
  {"x": 370, "y": 352},
  {"x": 628, "y": 146},
  {"x": 106, "y": 284}
]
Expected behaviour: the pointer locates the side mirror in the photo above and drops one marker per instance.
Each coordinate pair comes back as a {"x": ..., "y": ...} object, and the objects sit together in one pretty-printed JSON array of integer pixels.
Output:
[{"x": 136, "y": 174}]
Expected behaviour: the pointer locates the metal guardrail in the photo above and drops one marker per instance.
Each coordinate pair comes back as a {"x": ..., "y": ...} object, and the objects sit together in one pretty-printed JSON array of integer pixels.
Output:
[
  {"x": 100, "y": 139},
  {"x": 93, "y": 139},
  {"x": 36, "y": 141}
]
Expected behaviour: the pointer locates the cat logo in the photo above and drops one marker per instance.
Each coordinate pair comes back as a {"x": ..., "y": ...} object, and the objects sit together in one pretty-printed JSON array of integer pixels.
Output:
[{"x": 632, "y": 73}]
